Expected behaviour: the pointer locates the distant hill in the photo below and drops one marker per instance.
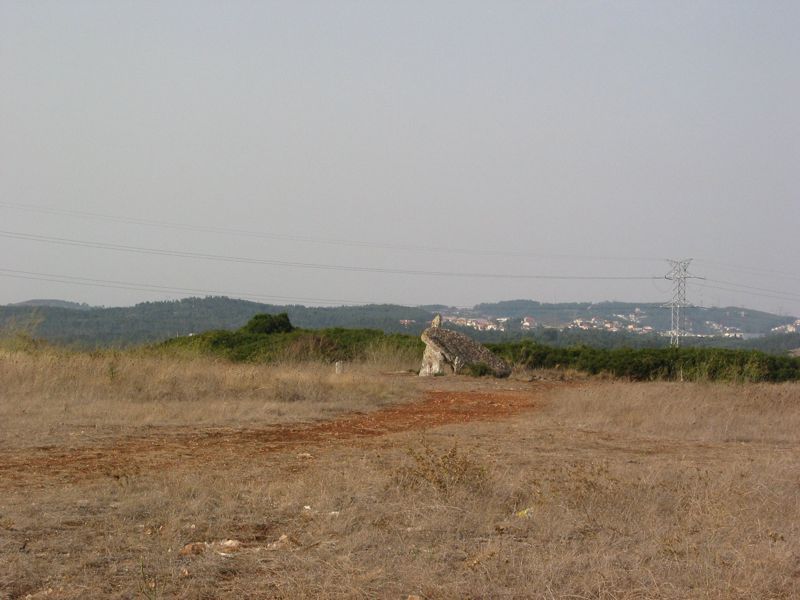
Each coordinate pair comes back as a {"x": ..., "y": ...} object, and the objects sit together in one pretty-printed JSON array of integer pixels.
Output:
[
  {"x": 155, "y": 321},
  {"x": 86, "y": 326}
]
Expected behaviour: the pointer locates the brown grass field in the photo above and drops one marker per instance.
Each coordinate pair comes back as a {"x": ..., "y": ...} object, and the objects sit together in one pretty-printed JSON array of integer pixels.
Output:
[{"x": 123, "y": 476}]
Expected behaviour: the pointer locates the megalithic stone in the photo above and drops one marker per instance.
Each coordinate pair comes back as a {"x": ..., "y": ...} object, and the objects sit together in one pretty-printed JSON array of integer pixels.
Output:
[{"x": 450, "y": 351}]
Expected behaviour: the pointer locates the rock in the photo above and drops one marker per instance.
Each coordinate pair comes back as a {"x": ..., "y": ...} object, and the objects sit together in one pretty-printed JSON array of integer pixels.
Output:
[
  {"x": 285, "y": 541},
  {"x": 281, "y": 542},
  {"x": 450, "y": 351},
  {"x": 222, "y": 547},
  {"x": 230, "y": 545},
  {"x": 227, "y": 547},
  {"x": 193, "y": 548}
]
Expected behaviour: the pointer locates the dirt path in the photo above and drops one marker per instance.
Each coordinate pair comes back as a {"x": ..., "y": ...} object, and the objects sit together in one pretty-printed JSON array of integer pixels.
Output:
[{"x": 165, "y": 448}]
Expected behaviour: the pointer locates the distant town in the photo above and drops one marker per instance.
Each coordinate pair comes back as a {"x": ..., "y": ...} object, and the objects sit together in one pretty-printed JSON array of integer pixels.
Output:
[{"x": 635, "y": 322}]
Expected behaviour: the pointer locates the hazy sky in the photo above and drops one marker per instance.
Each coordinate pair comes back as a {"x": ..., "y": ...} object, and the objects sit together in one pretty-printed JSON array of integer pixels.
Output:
[{"x": 578, "y": 139}]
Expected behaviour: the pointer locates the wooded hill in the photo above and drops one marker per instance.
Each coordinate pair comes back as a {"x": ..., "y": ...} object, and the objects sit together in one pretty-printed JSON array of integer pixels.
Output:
[
  {"x": 88, "y": 327},
  {"x": 155, "y": 321}
]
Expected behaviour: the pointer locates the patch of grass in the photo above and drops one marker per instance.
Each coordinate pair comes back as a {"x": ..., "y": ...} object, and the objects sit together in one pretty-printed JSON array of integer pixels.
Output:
[{"x": 52, "y": 396}]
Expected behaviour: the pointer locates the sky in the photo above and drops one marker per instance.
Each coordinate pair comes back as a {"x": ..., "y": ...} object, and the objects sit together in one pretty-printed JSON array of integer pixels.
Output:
[{"x": 404, "y": 152}]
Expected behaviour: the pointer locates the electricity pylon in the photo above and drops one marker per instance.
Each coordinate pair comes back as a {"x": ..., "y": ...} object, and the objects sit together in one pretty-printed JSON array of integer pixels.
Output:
[{"x": 678, "y": 275}]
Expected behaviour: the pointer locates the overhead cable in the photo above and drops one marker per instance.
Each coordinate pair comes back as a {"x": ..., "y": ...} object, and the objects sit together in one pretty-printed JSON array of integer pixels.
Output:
[
  {"x": 305, "y": 239},
  {"x": 749, "y": 293},
  {"x": 304, "y": 265}
]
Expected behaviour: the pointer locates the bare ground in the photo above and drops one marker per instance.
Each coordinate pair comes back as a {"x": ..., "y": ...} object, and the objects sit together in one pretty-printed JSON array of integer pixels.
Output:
[{"x": 162, "y": 448}]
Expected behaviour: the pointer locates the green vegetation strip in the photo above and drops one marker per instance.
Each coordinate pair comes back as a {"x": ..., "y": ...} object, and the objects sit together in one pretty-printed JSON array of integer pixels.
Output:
[
  {"x": 270, "y": 338},
  {"x": 645, "y": 364}
]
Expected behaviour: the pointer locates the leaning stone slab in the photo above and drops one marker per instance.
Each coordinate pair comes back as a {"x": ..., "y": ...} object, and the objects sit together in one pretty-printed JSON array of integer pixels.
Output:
[{"x": 450, "y": 352}]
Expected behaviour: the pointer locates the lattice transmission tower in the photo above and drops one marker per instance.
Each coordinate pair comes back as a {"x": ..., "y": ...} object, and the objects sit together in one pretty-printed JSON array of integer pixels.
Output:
[{"x": 678, "y": 274}]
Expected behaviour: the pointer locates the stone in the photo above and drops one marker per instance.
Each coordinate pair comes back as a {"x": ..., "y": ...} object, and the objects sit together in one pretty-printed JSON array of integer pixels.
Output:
[
  {"x": 230, "y": 545},
  {"x": 284, "y": 542},
  {"x": 193, "y": 548},
  {"x": 222, "y": 547},
  {"x": 449, "y": 351}
]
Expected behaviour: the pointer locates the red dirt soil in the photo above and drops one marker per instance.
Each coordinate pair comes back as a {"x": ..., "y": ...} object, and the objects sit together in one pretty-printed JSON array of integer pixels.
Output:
[{"x": 170, "y": 447}]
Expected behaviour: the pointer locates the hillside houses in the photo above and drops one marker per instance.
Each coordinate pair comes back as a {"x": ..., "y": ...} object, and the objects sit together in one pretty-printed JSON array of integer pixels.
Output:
[
  {"x": 477, "y": 323},
  {"x": 788, "y": 328},
  {"x": 623, "y": 319},
  {"x": 600, "y": 324},
  {"x": 723, "y": 330}
]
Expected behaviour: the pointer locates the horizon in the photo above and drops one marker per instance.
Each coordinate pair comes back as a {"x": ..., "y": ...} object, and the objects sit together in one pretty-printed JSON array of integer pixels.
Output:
[{"x": 420, "y": 306}]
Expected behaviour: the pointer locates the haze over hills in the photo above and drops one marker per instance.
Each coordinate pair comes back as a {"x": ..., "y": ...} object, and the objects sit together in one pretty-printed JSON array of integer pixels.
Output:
[{"x": 605, "y": 323}]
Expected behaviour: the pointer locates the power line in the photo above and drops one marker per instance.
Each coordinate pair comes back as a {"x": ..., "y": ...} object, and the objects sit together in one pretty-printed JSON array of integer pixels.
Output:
[
  {"x": 749, "y": 270},
  {"x": 764, "y": 292},
  {"x": 403, "y": 247},
  {"x": 304, "y": 239},
  {"x": 117, "y": 284},
  {"x": 305, "y": 265},
  {"x": 756, "y": 288},
  {"x": 740, "y": 291},
  {"x": 146, "y": 287}
]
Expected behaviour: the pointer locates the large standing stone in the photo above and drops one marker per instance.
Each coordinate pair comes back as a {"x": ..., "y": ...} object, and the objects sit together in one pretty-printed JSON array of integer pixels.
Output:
[{"x": 449, "y": 352}]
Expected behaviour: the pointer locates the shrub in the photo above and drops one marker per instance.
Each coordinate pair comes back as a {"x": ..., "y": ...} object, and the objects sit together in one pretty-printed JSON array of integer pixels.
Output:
[
  {"x": 444, "y": 472},
  {"x": 477, "y": 370},
  {"x": 711, "y": 364},
  {"x": 271, "y": 338},
  {"x": 265, "y": 324}
]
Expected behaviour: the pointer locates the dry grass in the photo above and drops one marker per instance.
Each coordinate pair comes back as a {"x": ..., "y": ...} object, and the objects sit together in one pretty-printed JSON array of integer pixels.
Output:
[
  {"x": 608, "y": 491},
  {"x": 721, "y": 412},
  {"x": 57, "y": 397}
]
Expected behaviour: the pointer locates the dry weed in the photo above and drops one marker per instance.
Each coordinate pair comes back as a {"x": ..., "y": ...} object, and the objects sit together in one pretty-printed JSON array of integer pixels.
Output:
[{"x": 443, "y": 471}]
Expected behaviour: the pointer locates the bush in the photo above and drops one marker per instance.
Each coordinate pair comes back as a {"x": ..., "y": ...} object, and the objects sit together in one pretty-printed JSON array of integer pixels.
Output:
[
  {"x": 270, "y": 338},
  {"x": 477, "y": 370},
  {"x": 265, "y": 324},
  {"x": 711, "y": 364}
]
